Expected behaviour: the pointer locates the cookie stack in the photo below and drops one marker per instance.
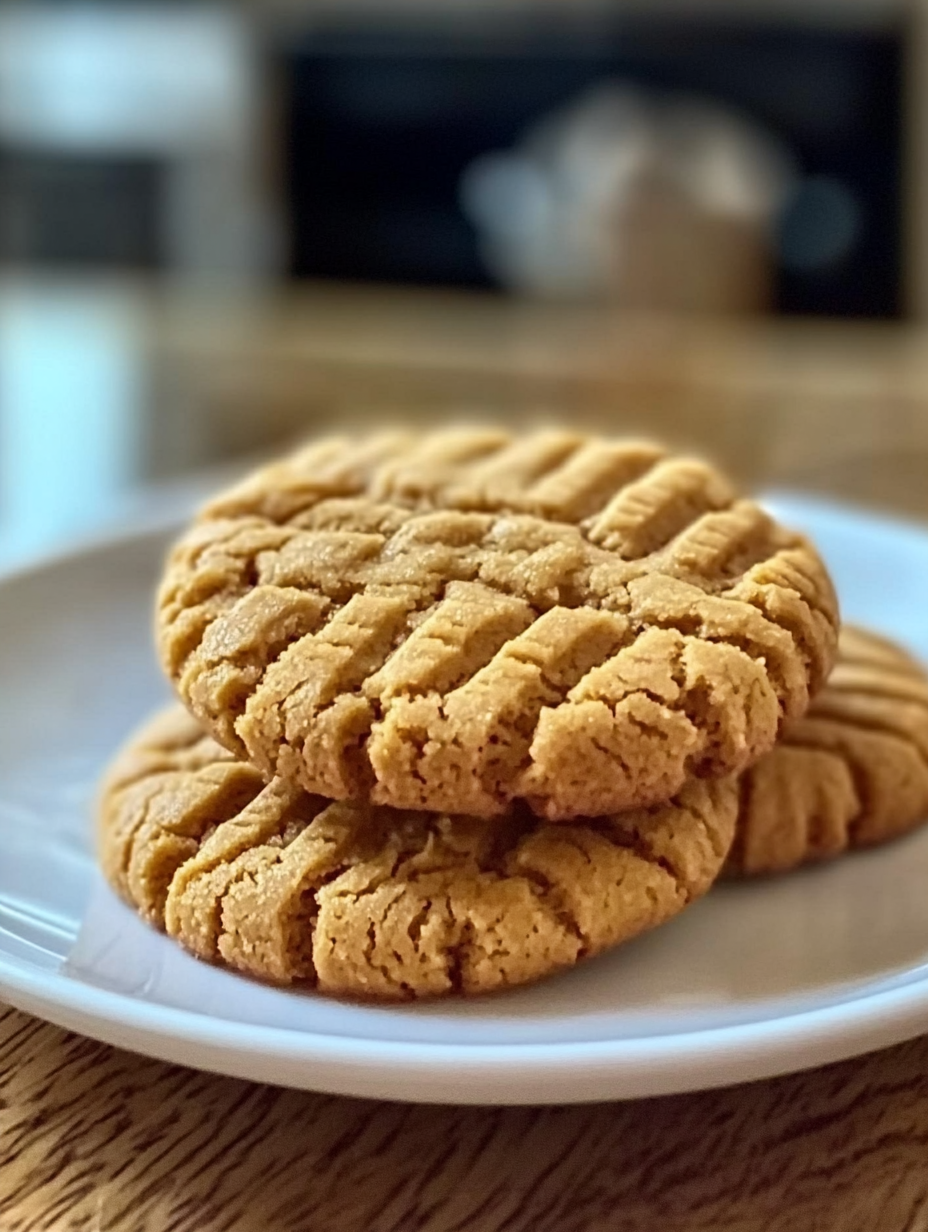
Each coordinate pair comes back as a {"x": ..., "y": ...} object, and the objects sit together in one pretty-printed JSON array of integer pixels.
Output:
[{"x": 463, "y": 708}]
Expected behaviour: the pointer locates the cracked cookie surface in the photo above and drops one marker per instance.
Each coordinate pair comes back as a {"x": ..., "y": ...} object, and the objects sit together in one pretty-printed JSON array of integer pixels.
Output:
[
  {"x": 457, "y": 620},
  {"x": 851, "y": 773},
  {"x": 368, "y": 901}
]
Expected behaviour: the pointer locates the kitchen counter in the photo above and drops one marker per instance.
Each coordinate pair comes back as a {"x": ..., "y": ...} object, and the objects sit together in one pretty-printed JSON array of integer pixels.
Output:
[{"x": 838, "y": 408}]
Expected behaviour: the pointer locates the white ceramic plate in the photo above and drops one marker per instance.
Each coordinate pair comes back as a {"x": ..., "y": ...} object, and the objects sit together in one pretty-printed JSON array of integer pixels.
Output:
[{"x": 755, "y": 980}]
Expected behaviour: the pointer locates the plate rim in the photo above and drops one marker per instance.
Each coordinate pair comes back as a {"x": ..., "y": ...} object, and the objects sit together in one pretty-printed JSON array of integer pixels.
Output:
[
  {"x": 570, "y": 1071},
  {"x": 576, "y": 1071}
]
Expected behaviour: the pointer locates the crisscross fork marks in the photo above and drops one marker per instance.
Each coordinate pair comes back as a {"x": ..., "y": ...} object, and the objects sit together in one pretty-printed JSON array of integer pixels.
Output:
[
  {"x": 544, "y": 523},
  {"x": 852, "y": 772},
  {"x": 170, "y": 788},
  {"x": 376, "y": 902}
]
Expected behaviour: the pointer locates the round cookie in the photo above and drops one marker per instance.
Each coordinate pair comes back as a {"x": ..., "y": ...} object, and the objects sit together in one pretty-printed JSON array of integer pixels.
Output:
[
  {"x": 367, "y": 901},
  {"x": 852, "y": 772},
  {"x": 457, "y": 620}
]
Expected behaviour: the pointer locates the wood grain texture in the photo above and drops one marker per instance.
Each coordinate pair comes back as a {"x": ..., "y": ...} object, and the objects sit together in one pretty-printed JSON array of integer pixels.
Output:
[{"x": 97, "y": 1140}]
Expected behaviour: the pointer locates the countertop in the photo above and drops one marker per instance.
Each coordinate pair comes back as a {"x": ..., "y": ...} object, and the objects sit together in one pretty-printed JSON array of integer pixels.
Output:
[{"x": 839, "y": 408}]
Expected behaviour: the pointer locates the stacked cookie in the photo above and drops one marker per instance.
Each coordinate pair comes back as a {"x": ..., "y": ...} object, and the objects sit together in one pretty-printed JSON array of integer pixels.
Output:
[{"x": 463, "y": 708}]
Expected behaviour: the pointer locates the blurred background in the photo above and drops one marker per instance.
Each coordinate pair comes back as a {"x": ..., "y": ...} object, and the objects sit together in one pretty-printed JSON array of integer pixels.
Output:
[{"x": 223, "y": 227}]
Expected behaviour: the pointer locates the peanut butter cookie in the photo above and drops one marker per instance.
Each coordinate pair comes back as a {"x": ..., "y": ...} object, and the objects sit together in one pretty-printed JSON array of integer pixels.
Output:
[
  {"x": 458, "y": 620},
  {"x": 851, "y": 773},
  {"x": 367, "y": 901}
]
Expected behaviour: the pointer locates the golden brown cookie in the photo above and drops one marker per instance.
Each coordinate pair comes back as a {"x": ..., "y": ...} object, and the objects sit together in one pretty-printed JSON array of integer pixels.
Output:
[
  {"x": 851, "y": 773},
  {"x": 368, "y": 901},
  {"x": 457, "y": 620}
]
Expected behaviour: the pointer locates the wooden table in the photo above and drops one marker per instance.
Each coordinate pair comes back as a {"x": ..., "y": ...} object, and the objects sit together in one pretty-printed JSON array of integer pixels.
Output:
[
  {"x": 93, "y": 1138},
  {"x": 99, "y": 1140}
]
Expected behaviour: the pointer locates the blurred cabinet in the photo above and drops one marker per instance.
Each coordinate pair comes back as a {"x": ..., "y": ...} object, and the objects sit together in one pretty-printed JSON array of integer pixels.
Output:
[
  {"x": 130, "y": 136},
  {"x": 384, "y": 117}
]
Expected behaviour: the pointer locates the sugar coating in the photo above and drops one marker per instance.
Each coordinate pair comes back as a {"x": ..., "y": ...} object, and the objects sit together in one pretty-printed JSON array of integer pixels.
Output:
[
  {"x": 851, "y": 773},
  {"x": 458, "y": 620},
  {"x": 368, "y": 901}
]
